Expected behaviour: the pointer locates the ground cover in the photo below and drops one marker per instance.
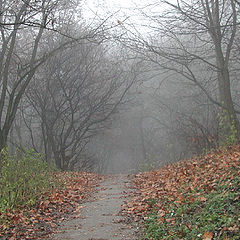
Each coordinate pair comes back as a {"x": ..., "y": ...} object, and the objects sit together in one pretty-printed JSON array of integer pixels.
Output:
[
  {"x": 191, "y": 199},
  {"x": 38, "y": 220}
]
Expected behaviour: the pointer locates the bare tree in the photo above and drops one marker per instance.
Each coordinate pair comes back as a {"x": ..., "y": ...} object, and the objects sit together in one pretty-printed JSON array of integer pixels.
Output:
[
  {"x": 195, "y": 40},
  {"x": 25, "y": 27},
  {"x": 74, "y": 95}
]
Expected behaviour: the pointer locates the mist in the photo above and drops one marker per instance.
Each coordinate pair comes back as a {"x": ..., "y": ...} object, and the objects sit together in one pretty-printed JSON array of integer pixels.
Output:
[{"x": 97, "y": 89}]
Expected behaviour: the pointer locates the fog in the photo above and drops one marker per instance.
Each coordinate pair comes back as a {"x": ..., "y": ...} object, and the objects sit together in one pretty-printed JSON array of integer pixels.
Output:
[{"x": 118, "y": 88}]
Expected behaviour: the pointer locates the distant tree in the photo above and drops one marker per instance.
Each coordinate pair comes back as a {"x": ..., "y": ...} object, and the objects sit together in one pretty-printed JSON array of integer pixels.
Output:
[
  {"x": 24, "y": 27},
  {"x": 194, "y": 40},
  {"x": 74, "y": 95}
]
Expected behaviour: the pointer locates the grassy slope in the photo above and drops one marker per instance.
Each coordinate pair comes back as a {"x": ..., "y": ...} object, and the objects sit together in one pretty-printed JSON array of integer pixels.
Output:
[{"x": 191, "y": 199}]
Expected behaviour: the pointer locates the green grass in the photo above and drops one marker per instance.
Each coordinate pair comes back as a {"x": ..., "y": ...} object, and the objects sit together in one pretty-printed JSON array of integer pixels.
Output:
[
  {"x": 23, "y": 180},
  {"x": 219, "y": 214}
]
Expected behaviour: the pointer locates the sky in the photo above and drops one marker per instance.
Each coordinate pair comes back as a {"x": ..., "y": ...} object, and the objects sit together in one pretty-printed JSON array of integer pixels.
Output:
[
  {"x": 105, "y": 8},
  {"x": 132, "y": 13},
  {"x": 96, "y": 6},
  {"x": 115, "y": 11}
]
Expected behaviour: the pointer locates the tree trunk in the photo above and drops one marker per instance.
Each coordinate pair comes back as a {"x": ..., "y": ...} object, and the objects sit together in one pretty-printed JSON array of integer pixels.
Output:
[
  {"x": 3, "y": 144},
  {"x": 3, "y": 139},
  {"x": 228, "y": 112},
  {"x": 224, "y": 85},
  {"x": 222, "y": 60}
]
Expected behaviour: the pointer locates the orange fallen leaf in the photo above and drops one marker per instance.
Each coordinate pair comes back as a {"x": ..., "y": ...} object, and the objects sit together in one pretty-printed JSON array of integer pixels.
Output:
[
  {"x": 161, "y": 213},
  {"x": 191, "y": 199},
  {"x": 160, "y": 220},
  {"x": 207, "y": 236},
  {"x": 203, "y": 199},
  {"x": 79, "y": 208}
]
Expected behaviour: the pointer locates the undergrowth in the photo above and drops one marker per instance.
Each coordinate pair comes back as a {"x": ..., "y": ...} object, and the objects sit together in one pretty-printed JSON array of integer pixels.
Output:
[
  {"x": 215, "y": 215},
  {"x": 23, "y": 180}
]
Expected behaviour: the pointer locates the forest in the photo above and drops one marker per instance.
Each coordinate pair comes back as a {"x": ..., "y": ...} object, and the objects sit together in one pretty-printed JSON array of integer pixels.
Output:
[
  {"x": 103, "y": 87},
  {"x": 166, "y": 91}
]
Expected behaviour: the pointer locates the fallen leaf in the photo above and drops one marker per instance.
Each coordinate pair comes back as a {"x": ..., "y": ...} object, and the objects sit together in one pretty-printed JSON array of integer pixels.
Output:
[
  {"x": 207, "y": 236},
  {"x": 203, "y": 199}
]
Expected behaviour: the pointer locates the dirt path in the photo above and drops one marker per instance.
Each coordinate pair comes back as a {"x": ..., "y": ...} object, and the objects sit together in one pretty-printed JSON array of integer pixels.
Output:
[{"x": 100, "y": 219}]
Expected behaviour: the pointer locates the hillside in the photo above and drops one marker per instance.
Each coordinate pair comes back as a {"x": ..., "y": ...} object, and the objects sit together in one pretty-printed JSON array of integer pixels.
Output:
[
  {"x": 191, "y": 199},
  {"x": 197, "y": 198}
]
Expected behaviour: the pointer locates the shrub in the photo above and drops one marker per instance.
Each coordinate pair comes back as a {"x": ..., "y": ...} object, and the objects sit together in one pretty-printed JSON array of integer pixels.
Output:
[
  {"x": 22, "y": 179},
  {"x": 228, "y": 133}
]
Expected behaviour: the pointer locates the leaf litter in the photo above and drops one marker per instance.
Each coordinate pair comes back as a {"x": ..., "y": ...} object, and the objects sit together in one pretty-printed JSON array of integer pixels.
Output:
[
  {"x": 183, "y": 183},
  {"x": 41, "y": 219}
]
